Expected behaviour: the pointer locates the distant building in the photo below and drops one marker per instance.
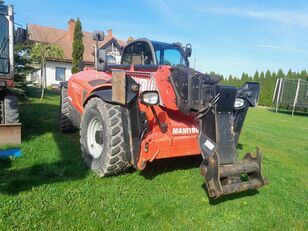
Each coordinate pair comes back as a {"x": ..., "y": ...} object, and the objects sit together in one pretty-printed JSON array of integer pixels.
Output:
[{"x": 60, "y": 70}]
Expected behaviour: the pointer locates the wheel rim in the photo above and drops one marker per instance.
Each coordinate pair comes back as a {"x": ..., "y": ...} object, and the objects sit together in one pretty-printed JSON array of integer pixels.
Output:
[{"x": 95, "y": 147}]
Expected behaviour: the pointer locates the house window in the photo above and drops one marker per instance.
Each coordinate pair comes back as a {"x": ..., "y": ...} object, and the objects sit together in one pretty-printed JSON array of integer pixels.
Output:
[{"x": 60, "y": 74}]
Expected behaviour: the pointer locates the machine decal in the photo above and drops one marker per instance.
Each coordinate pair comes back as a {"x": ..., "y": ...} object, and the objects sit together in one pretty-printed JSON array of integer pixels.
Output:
[
  {"x": 209, "y": 145},
  {"x": 146, "y": 84},
  {"x": 185, "y": 131}
]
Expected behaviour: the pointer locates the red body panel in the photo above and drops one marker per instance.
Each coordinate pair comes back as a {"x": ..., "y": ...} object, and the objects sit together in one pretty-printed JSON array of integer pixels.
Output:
[
  {"x": 181, "y": 138},
  {"x": 80, "y": 89},
  {"x": 8, "y": 82}
]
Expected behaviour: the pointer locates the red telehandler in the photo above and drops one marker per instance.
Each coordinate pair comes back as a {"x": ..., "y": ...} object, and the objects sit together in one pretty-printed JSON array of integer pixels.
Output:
[{"x": 154, "y": 106}]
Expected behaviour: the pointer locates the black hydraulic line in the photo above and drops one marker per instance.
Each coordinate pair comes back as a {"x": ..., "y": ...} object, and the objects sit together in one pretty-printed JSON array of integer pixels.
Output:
[
  {"x": 156, "y": 117},
  {"x": 208, "y": 107}
]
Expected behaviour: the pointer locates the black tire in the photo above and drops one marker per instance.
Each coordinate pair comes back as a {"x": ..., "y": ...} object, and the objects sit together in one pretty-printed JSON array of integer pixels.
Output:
[
  {"x": 11, "y": 110},
  {"x": 110, "y": 156},
  {"x": 66, "y": 124}
]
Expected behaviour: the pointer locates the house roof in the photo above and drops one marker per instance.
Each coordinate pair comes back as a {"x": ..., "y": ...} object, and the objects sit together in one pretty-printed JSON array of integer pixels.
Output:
[{"x": 64, "y": 39}]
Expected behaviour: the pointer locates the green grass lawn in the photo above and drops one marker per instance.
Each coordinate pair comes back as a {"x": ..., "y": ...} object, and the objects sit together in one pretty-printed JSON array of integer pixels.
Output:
[{"x": 49, "y": 187}]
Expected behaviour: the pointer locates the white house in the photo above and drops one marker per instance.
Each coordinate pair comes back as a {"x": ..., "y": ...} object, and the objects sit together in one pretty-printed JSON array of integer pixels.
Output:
[{"x": 60, "y": 70}]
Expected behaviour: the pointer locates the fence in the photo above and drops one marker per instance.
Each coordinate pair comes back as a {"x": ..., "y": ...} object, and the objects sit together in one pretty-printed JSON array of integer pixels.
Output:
[{"x": 291, "y": 92}]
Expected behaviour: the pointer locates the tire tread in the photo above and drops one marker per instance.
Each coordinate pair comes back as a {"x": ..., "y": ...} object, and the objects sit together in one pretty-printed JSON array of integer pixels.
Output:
[{"x": 115, "y": 159}]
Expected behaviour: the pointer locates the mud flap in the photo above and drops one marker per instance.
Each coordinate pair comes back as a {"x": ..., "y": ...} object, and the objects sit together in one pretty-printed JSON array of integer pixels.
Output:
[{"x": 223, "y": 172}]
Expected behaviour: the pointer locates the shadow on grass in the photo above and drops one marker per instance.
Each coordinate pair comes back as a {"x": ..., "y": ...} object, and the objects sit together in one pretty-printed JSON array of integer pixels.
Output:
[
  {"x": 162, "y": 166},
  {"x": 40, "y": 134},
  {"x": 5, "y": 163},
  {"x": 239, "y": 146},
  {"x": 230, "y": 197}
]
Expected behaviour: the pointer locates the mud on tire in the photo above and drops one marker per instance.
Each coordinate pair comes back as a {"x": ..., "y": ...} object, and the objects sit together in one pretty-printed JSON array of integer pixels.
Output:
[{"x": 102, "y": 138}]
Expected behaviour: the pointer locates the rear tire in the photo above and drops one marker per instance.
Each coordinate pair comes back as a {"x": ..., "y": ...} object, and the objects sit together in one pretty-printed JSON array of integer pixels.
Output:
[
  {"x": 11, "y": 110},
  {"x": 66, "y": 124},
  {"x": 102, "y": 138}
]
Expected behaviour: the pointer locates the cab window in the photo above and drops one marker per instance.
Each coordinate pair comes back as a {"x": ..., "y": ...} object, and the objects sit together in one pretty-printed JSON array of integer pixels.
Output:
[
  {"x": 4, "y": 49},
  {"x": 127, "y": 55},
  {"x": 169, "y": 54},
  {"x": 137, "y": 53},
  {"x": 173, "y": 57}
]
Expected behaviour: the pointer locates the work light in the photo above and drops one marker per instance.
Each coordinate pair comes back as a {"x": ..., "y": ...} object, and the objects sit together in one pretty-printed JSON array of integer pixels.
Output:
[
  {"x": 150, "y": 98},
  {"x": 239, "y": 103}
]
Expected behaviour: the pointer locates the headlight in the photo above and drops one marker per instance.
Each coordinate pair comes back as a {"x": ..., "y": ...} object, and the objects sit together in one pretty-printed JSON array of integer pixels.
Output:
[
  {"x": 150, "y": 97},
  {"x": 239, "y": 102}
]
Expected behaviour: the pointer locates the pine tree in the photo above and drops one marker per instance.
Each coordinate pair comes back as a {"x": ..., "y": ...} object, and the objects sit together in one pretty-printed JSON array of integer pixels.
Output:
[
  {"x": 261, "y": 79},
  {"x": 291, "y": 74},
  {"x": 267, "y": 88},
  {"x": 280, "y": 74},
  {"x": 304, "y": 75},
  {"x": 256, "y": 77},
  {"x": 78, "y": 47}
]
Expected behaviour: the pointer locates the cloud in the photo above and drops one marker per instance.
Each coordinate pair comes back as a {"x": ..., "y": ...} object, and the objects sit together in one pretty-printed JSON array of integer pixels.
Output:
[
  {"x": 282, "y": 16},
  {"x": 170, "y": 11},
  {"x": 270, "y": 46}
]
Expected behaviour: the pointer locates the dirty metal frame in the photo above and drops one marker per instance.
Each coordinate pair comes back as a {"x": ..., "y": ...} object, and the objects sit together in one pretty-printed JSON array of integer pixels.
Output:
[
  {"x": 220, "y": 124},
  {"x": 223, "y": 172}
]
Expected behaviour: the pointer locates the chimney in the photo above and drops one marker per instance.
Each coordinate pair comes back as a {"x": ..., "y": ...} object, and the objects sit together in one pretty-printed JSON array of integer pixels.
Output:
[
  {"x": 109, "y": 33},
  {"x": 71, "y": 29}
]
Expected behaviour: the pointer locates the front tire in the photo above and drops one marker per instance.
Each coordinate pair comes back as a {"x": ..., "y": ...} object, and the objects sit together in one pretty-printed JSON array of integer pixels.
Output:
[{"x": 102, "y": 138}]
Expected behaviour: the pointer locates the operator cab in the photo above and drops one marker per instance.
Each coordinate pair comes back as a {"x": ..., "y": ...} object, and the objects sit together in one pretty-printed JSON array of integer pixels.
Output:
[{"x": 146, "y": 52}]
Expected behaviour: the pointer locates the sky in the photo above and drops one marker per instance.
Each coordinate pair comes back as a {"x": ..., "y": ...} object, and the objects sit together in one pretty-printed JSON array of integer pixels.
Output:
[{"x": 227, "y": 36}]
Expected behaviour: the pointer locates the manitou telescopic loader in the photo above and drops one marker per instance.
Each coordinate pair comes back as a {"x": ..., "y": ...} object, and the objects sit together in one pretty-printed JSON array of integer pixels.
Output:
[{"x": 153, "y": 106}]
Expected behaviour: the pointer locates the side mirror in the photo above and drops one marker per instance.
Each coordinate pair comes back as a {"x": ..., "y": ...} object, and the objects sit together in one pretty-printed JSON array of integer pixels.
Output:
[
  {"x": 20, "y": 35},
  {"x": 98, "y": 35},
  {"x": 188, "y": 50},
  {"x": 100, "y": 55},
  {"x": 101, "y": 60}
]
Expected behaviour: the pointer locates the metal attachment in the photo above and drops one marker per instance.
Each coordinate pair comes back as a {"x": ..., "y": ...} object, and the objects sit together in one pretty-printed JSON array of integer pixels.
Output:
[{"x": 232, "y": 178}]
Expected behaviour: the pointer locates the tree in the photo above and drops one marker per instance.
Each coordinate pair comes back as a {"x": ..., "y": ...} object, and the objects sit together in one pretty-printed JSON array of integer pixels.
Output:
[
  {"x": 22, "y": 68},
  {"x": 39, "y": 53},
  {"x": 304, "y": 75},
  {"x": 280, "y": 74},
  {"x": 78, "y": 47},
  {"x": 291, "y": 74},
  {"x": 256, "y": 77}
]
